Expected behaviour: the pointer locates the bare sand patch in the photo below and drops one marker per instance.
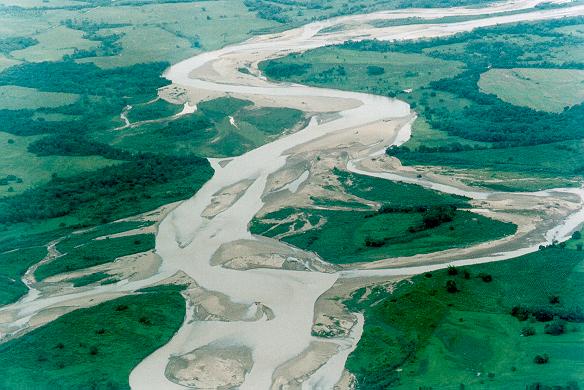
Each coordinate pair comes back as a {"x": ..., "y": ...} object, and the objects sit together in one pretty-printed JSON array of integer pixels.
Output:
[{"x": 211, "y": 367}]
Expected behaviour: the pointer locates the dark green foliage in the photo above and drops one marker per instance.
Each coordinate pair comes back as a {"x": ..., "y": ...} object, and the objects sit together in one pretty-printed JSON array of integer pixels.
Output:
[
  {"x": 88, "y": 279},
  {"x": 280, "y": 70},
  {"x": 295, "y": 12},
  {"x": 136, "y": 80},
  {"x": 93, "y": 348},
  {"x": 436, "y": 216},
  {"x": 96, "y": 252},
  {"x": 13, "y": 265},
  {"x": 110, "y": 193},
  {"x": 154, "y": 110},
  {"x": 555, "y": 328},
  {"x": 541, "y": 359},
  {"x": 375, "y": 70},
  {"x": 451, "y": 286},
  {"x": 75, "y": 145},
  {"x": 412, "y": 220},
  {"x": 16, "y": 43}
]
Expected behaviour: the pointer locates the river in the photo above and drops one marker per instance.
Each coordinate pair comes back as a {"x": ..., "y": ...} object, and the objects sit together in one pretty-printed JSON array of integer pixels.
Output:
[{"x": 186, "y": 240}]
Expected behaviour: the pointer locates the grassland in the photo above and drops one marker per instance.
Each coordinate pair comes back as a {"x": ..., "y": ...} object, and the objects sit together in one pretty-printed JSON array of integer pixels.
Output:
[
  {"x": 421, "y": 335},
  {"x": 412, "y": 220},
  {"x": 96, "y": 252},
  {"x": 372, "y": 72},
  {"x": 29, "y": 170},
  {"x": 17, "y": 98},
  {"x": 220, "y": 128},
  {"x": 460, "y": 125},
  {"x": 153, "y": 110},
  {"x": 13, "y": 265},
  {"x": 541, "y": 89},
  {"x": 21, "y": 249},
  {"x": 93, "y": 348},
  {"x": 53, "y": 44}
]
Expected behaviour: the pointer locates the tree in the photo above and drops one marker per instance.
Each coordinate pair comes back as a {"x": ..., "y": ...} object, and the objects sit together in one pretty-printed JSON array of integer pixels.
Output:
[
  {"x": 451, "y": 286},
  {"x": 555, "y": 328},
  {"x": 541, "y": 359}
]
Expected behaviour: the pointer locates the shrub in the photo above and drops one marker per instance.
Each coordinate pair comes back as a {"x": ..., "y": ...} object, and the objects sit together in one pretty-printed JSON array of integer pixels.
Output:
[
  {"x": 452, "y": 270},
  {"x": 555, "y": 328},
  {"x": 554, "y": 299},
  {"x": 528, "y": 331},
  {"x": 375, "y": 70},
  {"x": 486, "y": 278},
  {"x": 541, "y": 359},
  {"x": 521, "y": 313},
  {"x": 451, "y": 286}
]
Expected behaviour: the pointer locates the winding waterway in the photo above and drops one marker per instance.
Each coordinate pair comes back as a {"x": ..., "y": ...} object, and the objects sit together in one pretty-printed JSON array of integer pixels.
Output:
[{"x": 186, "y": 240}]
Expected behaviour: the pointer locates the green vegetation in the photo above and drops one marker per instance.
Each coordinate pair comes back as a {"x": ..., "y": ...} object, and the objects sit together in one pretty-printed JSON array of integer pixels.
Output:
[
  {"x": 476, "y": 131},
  {"x": 93, "y": 348},
  {"x": 16, "y": 98},
  {"x": 153, "y": 110},
  {"x": 29, "y": 170},
  {"x": 65, "y": 77},
  {"x": 13, "y": 265},
  {"x": 411, "y": 220},
  {"x": 90, "y": 279},
  {"x": 20, "y": 249},
  {"x": 96, "y": 252},
  {"x": 219, "y": 128},
  {"x": 516, "y": 323},
  {"x": 109, "y": 193},
  {"x": 295, "y": 12},
  {"x": 352, "y": 69},
  {"x": 541, "y": 89}
]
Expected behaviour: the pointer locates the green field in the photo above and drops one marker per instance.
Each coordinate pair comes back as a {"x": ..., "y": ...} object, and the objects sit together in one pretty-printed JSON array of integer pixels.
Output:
[
  {"x": 412, "y": 220},
  {"x": 541, "y": 89},
  {"x": 17, "y": 98},
  {"x": 158, "y": 108},
  {"x": 93, "y": 348},
  {"x": 96, "y": 252},
  {"x": 173, "y": 31},
  {"x": 24, "y": 247},
  {"x": 13, "y": 265},
  {"x": 356, "y": 70},
  {"x": 53, "y": 45},
  {"x": 209, "y": 131},
  {"x": 459, "y": 125},
  {"x": 423, "y": 336},
  {"x": 34, "y": 170}
]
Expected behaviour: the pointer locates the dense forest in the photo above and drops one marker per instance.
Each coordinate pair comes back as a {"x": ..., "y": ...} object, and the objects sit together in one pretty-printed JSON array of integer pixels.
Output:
[{"x": 146, "y": 182}]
